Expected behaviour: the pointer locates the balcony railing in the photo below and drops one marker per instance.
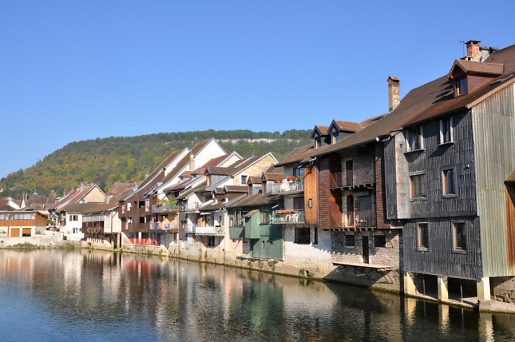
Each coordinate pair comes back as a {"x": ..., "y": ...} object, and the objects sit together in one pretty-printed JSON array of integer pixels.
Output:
[
  {"x": 361, "y": 219},
  {"x": 191, "y": 207},
  {"x": 288, "y": 216},
  {"x": 209, "y": 230},
  {"x": 165, "y": 207},
  {"x": 203, "y": 230},
  {"x": 163, "y": 226},
  {"x": 276, "y": 188}
]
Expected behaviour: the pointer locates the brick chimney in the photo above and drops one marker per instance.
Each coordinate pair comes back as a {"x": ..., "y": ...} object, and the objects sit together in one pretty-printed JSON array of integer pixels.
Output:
[
  {"x": 473, "y": 50},
  {"x": 394, "y": 84}
]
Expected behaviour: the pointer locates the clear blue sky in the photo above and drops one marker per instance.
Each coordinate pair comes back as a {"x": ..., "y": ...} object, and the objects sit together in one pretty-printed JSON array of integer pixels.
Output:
[{"x": 74, "y": 70}]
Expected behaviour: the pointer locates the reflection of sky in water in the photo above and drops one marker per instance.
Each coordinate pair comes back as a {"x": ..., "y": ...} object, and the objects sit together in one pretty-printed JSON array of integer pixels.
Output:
[{"x": 51, "y": 295}]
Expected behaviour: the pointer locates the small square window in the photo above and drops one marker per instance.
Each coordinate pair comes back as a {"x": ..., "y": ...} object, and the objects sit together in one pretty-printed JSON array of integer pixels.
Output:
[
  {"x": 423, "y": 236},
  {"x": 379, "y": 241},
  {"x": 418, "y": 185},
  {"x": 350, "y": 241},
  {"x": 459, "y": 236},
  {"x": 448, "y": 184},
  {"x": 302, "y": 236},
  {"x": 446, "y": 131}
]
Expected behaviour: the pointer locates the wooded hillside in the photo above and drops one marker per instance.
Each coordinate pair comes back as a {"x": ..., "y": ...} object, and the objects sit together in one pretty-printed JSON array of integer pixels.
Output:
[{"x": 128, "y": 159}]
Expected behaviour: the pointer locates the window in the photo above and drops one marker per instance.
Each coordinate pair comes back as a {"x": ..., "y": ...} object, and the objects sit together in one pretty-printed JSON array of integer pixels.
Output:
[
  {"x": 418, "y": 185},
  {"x": 298, "y": 172},
  {"x": 459, "y": 237},
  {"x": 350, "y": 241},
  {"x": 142, "y": 219},
  {"x": 23, "y": 217},
  {"x": 302, "y": 236},
  {"x": 318, "y": 141},
  {"x": 460, "y": 87},
  {"x": 349, "y": 170},
  {"x": 74, "y": 218},
  {"x": 315, "y": 237},
  {"x": 129, "y": 205},
  {"x": 243, "y": 179},
  {"x": 423, "y": 236},
  {"x": 446, "y": 131},
  {"x": 141, "y": 204},
  {"x": 265, "y": 217},
  {"x": 448, "y": 186},
  {"x": 4, "y": 217},
  {"x": 211, "y": 241},
  {"x": 379, "y": 240},
  {"x": 231, "y": 222},
  {"x": 298, "y": 203},
  {"x": 415, "y": 139}
]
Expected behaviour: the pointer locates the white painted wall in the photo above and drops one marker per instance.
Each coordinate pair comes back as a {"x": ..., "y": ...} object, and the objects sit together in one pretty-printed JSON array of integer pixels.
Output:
[
  {"x": 72, "y": 228},
  {"x": 307, "y": 253}
]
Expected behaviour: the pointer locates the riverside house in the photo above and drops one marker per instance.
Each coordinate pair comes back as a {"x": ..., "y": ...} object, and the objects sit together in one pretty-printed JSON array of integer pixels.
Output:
[
  {"x": 70, "y": 223},
  {"x": 439, "y": 167},
  {"x": 22, "y": 223},
  {"x": 136, "y": 209},
  {"x": 204, "y": 215}
]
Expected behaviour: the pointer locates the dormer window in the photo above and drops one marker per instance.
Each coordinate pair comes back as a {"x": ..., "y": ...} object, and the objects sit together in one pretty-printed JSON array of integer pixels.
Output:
[
  {"x": 318, "y": 142},
  {"x": 460, "y": 86},
  {"x": 415, "y": 139},
  {"x": 334, "y": 138}
]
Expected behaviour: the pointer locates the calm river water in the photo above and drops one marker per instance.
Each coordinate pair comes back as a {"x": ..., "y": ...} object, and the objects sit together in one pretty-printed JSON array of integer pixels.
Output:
[{"x": 52, "y": 295}]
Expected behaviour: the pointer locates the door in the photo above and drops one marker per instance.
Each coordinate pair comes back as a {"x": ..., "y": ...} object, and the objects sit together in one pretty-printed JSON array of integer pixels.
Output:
[
  {"x": 350, "y": 211},
  {"x": 15, "y": 232},
  {"x": 365, "y": 249},
  {"x": 349, "y": 170}
]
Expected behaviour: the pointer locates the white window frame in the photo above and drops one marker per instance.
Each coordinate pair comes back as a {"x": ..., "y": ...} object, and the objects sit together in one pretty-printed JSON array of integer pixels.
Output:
[
  {"x": 442, "y": 175},
  {"x": 455, "y": 248},
  {"x": 451, "y": 129},
  {"x": 410, "y": 139},
  {"x": 419, "y": 246}
]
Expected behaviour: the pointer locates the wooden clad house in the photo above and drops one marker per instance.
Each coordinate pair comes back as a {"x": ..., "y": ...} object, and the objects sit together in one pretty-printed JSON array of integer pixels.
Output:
[
  {"x": 448, "y": 179},
  {"x": 22, "y": 223}
]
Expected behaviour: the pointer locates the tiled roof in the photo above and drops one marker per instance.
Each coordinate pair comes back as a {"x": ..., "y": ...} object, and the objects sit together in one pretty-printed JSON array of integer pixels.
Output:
[
  {"x": 73, "y": 197},
  {"x": 212, "y": 207},
  {"x": 298, "y": 155},
  {"x": 478, "y": 68},
  {"x": 88, "y": 208},
  {"x": 256, "y": 200},
  {"x": 348, "y": 126},
  {"x": 236, "y": 188},
  {"x": 119, "y": 187}
]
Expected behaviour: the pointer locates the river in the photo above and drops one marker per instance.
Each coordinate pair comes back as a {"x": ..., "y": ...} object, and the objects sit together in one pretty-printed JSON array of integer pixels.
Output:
[{"x": 54, "y": 295}]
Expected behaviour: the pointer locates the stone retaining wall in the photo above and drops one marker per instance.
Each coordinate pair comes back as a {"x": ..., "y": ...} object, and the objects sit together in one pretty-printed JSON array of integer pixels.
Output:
[
  {"x": 36, "y": 240},
  {"x": 503, "y": 289},
  {"x": 321, "y": 270}
]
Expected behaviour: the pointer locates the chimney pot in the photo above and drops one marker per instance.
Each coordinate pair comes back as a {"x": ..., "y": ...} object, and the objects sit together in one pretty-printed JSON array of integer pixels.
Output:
[
  {"x": 473, "y": 50},
  {"x": 394, "y": 98}
]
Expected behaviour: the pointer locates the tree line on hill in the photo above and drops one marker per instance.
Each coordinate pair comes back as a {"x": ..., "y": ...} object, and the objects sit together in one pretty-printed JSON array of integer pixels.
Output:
[{"x": 128, "y": 159}]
